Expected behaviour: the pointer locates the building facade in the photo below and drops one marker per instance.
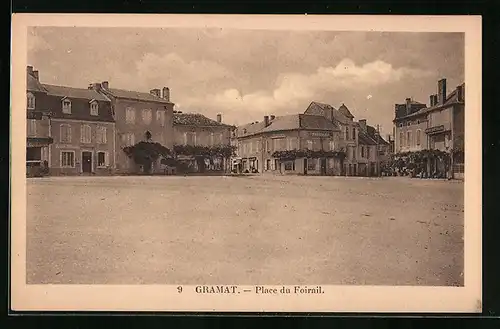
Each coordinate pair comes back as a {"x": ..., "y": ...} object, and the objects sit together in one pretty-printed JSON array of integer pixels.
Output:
[
  {"x": 439, "y": 126},
  {"x": 195, "y": 129},
  {"x": 80, "y": 126},
  {"x": 139, "y": 116},
  {"x": 259, "y": 143},
  {"x": 38, "y": 132}
]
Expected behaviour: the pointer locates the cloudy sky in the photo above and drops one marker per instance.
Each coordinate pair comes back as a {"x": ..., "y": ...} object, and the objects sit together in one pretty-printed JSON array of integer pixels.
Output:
[{"x": 246, "y": 74}]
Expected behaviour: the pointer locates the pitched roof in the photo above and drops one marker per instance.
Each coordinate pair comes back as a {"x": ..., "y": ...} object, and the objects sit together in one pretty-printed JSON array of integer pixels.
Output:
[
  {"x": 317, "y": 108},
  {"x": 452, "y": 98},
  {"x": 81, "y": 93},
  {"x": 345, "y": 111},
  {"x": 373, "y": 133},
  {"x": 32, "y": 84},
  {"x": 365, "y": 139},
  {"x": 288, "y": 122},
  {"x": 196, "y": 119},
  {"x": 137, "y": 95}
]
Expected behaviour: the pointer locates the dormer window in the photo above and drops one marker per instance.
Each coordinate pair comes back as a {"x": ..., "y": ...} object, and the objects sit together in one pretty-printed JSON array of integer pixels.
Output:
[
  {"x": 94, "y": 107},
  {"x": 66, "y": 106},
  {"x": 31, "y": 101}
]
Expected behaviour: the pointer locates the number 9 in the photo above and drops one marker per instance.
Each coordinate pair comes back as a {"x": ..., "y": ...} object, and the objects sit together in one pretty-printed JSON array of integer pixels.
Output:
[{"x": 179, "y": 289}]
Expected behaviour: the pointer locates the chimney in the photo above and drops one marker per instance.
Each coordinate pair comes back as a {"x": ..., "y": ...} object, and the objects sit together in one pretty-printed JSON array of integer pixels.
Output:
[
  {"x": 266, "y": 120},
  {"x": 272, "y": 117},
  {"x": 35, "y": 74},
  {"x": 95, "y": 86},
  {"x": 219, "y": 118},
  {"x": 105, "y": 85},
  {"x": 408, "y": 105},
  {"x": 29, "y": 69},
  {"x": 441, "y": 95},
  {"x": 166, "y": 94},
  {"x": 460, "y": 93},
  {"x": 155, "y": 92},
  {"x": 362, "y": 123}
]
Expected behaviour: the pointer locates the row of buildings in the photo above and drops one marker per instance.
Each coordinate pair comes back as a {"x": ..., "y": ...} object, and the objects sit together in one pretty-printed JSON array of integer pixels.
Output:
[
  {"x": 73, "y": 131},
  {"x": 436, "y": 128},
  {"x": 321, "y": 141}
]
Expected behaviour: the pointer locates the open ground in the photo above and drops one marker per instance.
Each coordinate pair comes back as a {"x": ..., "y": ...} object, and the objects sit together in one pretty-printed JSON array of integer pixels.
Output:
[{"x": 245, "y": 230}]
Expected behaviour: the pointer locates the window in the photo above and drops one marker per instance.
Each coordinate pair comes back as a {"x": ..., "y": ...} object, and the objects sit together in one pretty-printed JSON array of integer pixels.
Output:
[
  {"x": 86, "y": 134},
  {"x": 279, "y": 144},
  {"x": 65, "y": 133},
  {"x": 409, "y": 123},
  {"x": 94, "y": 108},
  {"x": 309, "y": 144},
  {"x": 32, "y": 127},
  {"x": 211, "y": 139},
  {"x": 292, "y": 143},
  {"x": 268, "y": 164},
  {"x": 355, "y": 152},
  {"x": 290, "y": 165},
  {"x": 368, "y": 152},
  {"x": 130, "y": 115},
  {"x": 102, "y": 159},
  {"x": 418, "y": 137},
  {"x": 332, "y": 145},
  {"x": 418, "y": 122},
  {"x": 346, "y": 132},
  {"x": 257, "y": 148},
  {"x": 401, "y": 139},
  {"x": 160, "y": 117},
  {"x": 66, "y": 106},
  {"x": 190, "y": 138},
  {"x": 31, "y": 101},
  {"x": 408, "y": 138},
  {"x": 68, "y": 159},
  {"x": 101, "y": 135},
  {"x": 353, "y": 133},
  {"x": 128, "y": 139},
  {"x": 268, "y": 145},
  {"x": 362, "y": 151},
  {"x": 147, "y": 116},
  {"x": 250, "y": 146},
  {"x": 400, "y": 125},
  {"x": 220, "y": 139},
  {"x": 311, "y": 164}
]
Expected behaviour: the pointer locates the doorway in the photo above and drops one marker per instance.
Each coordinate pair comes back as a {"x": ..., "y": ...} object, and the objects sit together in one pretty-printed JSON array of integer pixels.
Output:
[
  {"x": 323, "y": 166},
  {"x": 305, "y": 166},
  {"x": 87, "y": 162}
]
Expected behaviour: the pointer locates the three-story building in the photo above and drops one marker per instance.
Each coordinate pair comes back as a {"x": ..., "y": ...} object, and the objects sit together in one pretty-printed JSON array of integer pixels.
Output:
[{"x": 139, "y": 116}]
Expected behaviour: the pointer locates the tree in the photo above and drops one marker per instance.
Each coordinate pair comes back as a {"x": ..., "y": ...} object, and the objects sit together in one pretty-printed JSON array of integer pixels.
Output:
[{"x": 146, "y": 153}]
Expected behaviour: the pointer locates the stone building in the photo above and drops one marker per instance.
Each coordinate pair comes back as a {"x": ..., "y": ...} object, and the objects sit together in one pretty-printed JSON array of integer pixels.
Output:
[
  {"x": 38, "y": 134},
  {"x": 139, "y": 116},
  {"x": 76, "y": 123},
  {"x": 439, "y": 126},
  {"x": 198, "y": 130},
  {"x": 260, "y": 142}
]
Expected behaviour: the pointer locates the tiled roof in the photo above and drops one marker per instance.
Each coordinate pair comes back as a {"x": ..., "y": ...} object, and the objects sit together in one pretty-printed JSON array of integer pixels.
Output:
[
  {"x": 365, "y": 139},
  {"x": 288, "y": 122},
  {"x": 137, "y": 95},
  {"x": 345, "y": 111},
  {"x": 70, "y": 92},
  {"x": 452, "y": 98},
  {"x": 32, "y": 84},
  {"x": 317, "y": 108},
  {"x": 196, "y": 119},
  {"x": 373, "y": 133}
]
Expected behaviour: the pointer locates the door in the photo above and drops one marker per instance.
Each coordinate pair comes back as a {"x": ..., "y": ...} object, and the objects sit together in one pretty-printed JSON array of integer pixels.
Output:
[
  {"x": 323, "y": 166},
  {"x": 87, "y": 162},
  {"x": 305, "y": 166}
]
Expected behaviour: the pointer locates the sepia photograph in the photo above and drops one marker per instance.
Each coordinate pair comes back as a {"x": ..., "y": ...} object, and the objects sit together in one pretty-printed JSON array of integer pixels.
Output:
[{"x": 225, "y": 161}]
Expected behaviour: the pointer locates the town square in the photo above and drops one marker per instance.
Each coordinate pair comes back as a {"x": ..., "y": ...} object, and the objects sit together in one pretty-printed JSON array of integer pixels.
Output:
[
  {"x": 245, "y": 230},
  {"x": 230, "y": 156}
]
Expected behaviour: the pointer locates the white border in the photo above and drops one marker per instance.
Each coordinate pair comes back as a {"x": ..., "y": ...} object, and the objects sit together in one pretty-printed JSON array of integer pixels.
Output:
[{"x": 336, "y": 298}]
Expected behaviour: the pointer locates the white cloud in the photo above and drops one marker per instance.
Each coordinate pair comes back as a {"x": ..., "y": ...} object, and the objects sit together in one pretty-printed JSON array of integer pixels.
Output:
[{"x": 292, "y": 88}]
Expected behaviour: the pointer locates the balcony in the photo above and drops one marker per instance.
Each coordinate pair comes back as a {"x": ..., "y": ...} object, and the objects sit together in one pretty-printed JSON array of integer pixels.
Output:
[{"x": 437, "y": 129}]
